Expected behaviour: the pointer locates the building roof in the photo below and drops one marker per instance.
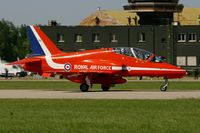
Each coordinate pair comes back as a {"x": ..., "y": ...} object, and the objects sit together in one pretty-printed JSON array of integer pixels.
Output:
[
  {"x": 108, "y": 18},
  {"x": 189, "y": 16}
]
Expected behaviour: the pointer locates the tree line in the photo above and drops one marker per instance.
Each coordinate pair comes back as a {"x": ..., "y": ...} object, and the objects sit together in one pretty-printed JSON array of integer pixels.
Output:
[{"x": 13, "y": 41}]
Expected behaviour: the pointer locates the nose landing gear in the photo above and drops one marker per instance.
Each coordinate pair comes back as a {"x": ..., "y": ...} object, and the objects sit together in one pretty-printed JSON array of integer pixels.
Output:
[{"x": 165, "y": 85}]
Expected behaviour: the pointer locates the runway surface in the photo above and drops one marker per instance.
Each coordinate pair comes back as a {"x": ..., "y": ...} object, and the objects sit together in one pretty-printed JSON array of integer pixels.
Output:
[{"x": 44, "y": 94}]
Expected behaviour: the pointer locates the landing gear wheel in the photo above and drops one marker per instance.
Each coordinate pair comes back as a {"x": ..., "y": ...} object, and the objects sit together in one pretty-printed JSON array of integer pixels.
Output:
[
  {"x": 84, "y": 87},
  {"x": 163, "y": 88},
  {"x": 165, "y": 85},
  {"x": 105, "y": 87}
]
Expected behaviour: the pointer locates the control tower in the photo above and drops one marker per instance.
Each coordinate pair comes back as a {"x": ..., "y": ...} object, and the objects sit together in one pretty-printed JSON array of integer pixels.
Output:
[{"x": 154, "y": 12}]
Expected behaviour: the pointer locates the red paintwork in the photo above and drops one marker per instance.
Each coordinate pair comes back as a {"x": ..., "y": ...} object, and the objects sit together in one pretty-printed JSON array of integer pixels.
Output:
[{"x": 96, "y": 65}]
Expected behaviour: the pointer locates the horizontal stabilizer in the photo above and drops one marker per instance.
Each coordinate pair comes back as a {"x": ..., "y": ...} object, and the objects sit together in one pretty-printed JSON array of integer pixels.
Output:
[
  {"x": 46, "y": 75},
  {"x": 24, "y": 61}
]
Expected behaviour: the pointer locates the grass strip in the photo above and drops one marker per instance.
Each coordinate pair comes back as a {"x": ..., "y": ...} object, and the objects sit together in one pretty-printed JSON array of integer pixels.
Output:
[
  {"x": 89, "y": 116},
  {"x": 65, "y": 85}
]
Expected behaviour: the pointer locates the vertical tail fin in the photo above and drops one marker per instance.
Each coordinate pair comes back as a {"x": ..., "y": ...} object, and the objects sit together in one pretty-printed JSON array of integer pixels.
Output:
[{"x": 40, "y": 43}]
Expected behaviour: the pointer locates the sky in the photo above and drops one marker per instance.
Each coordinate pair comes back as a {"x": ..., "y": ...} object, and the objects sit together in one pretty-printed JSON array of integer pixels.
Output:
[{"x": 66, "y": 12}]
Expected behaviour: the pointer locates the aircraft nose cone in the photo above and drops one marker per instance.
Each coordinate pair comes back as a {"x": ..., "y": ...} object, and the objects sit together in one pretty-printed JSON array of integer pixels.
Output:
[
  {"x": 186, "y": 73},
  {"x": 177, "y": 72},
  {"x": 181, "y": 72}
]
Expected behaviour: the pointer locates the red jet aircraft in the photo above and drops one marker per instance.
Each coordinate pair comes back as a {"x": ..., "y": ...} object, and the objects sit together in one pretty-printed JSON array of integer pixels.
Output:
[{"x": 106, "y": 66}]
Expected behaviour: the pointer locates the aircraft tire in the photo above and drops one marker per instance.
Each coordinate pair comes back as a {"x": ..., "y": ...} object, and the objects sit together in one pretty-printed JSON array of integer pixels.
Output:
[
  {"x": 84, "y": 87},
  {"x": 105, "y": 87},
  {"x": 163, "y": 88}
]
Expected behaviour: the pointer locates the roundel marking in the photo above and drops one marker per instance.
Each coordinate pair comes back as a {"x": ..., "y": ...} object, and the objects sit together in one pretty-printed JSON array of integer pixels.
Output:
[{"x": 67, "y": 67}]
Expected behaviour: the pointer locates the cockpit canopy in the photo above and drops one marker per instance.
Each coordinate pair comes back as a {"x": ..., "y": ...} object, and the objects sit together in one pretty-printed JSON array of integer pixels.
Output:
[
  {"x": 133, "y": 52},
  {"x": 138, "y": 53}
]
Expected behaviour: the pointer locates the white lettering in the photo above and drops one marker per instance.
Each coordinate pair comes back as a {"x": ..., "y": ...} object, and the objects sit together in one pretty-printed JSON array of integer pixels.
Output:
[
  {"x": 92, "y": 67},
  {"x": 80, "y": 67}
]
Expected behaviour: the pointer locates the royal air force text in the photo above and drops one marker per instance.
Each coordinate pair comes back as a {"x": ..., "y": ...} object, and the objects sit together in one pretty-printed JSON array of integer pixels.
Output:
[{"x": 92, "y": 67}]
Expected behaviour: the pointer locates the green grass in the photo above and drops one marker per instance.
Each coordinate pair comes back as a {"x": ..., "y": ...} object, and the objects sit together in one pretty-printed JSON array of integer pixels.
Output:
[
  {"x": 97, "y": 116},
  {"x": 151, "y": 85},
  {"x": 51, "y": 85},
  {"x": 65, "y": 85}
]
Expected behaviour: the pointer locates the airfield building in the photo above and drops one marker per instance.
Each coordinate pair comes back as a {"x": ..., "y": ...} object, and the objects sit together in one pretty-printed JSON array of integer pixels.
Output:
[{"x": 163, "y": 27}]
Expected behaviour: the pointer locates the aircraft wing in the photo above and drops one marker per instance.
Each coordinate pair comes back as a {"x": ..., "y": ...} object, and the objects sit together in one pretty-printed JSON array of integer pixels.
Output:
[{"x": 96, "y": 78}]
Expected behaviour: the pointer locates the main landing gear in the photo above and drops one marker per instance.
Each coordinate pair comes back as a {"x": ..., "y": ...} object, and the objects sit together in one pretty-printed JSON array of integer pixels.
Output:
[
  {"x": 165, "y": 85},
  {"x": 84, "y": 87},
  {"x": 105, "y": 87}
]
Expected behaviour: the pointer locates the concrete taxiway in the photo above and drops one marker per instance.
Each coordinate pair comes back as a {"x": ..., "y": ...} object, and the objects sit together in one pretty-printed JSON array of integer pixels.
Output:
[{"x": 45, "y": 94}]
